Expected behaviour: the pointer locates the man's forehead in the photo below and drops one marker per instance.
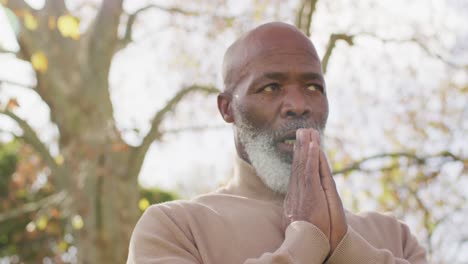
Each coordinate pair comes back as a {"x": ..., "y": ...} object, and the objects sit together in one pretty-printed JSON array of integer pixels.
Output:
[
  {"x": 271, "y": 36},
  {"x": 274, "y": 36},
  {"x": 264, "y": 40}
]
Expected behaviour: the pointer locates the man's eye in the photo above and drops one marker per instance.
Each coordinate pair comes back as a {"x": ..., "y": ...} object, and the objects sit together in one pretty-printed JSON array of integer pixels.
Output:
[
  {"x": 314, "y": 87},
  {"x": 269, "y": 88}
]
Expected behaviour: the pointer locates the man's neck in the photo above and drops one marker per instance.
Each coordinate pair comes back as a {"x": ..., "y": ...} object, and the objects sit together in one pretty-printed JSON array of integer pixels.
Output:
[{"x": 248, "y": 184}]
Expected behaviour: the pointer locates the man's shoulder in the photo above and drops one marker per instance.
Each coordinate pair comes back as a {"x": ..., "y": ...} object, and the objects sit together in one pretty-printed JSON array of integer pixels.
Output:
[
  {"x": 371, "y": 216},
  {"x": 197, "y": 205},
  {"x": 374, "y": 221},
  {"x": 379, "y": 228}
]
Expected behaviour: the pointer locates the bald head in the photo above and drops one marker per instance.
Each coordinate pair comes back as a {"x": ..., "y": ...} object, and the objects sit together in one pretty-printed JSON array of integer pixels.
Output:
[{"x": 257, "y": 43}]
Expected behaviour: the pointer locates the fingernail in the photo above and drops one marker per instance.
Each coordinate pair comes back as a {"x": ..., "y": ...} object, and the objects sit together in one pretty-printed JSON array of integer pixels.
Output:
[{"x": 300, "y": 132}]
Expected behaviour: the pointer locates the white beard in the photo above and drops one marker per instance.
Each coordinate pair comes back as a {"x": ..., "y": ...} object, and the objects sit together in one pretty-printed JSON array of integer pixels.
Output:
[
  {"x": 274, "y": 169},
  {"x": 270, "y": 167}
]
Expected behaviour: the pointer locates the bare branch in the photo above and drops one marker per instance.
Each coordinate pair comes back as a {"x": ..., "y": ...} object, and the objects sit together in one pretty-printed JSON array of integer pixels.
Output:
[
  {"x": 331, "y": 45},
  {"x": 127, "y": 38},
  {"x": 55, "y": 7},
  {"x": 30, "y": 137},
  {"x": 427, "y": 218},
  {"x": 159, "y": 117},
  {"x": 102, "y": 37},
  {"x": 17, "y": 5},
  {"x": 419, "y": 159},
  {"x": 167, "y": 9},
  {"x": 305, "y": 14},
  {"x": 53, "y": 199},
  {"x": 350, "y": 38},
  {"x": 416, "y": 41},
  {"x": 155, "y": 131}
]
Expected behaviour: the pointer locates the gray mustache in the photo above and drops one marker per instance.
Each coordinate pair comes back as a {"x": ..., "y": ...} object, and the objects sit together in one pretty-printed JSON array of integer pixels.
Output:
[{"x": 295, "y": 125}]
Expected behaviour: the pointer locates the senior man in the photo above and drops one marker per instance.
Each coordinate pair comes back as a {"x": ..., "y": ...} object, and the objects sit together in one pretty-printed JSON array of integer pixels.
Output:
[{"x": 282, "y": 205}]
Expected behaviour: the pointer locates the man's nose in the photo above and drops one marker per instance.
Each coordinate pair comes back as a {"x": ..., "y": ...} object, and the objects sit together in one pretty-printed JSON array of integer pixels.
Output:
[{"x": 295, "y": 104}]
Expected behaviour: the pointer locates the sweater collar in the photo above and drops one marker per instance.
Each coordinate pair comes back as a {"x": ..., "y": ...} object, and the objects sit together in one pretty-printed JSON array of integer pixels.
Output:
[{"x": 247, "y": 183}]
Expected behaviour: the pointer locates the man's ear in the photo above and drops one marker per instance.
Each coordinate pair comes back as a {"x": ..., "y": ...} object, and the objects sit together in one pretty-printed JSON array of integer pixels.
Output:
[{"x": 225, "y": 107}]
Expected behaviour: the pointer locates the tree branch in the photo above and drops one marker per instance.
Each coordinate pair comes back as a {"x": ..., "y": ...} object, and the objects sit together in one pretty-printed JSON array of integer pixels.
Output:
[
  {"x": 33, "y": 206},
  {"x": 419, "y": 160},
  {"x": 427, "y": 218},
  {"x": 350, "y": 40},
  {"x": 159, "y": 117},
  {"x": 331, "y": 46},
  {"x": 55, "y": 7},
  {"x": 127, "y": 38},
  {"x": 16, "y": 5},
  {"x": 416, "y": 41},
  {"x": 103, "y": 38},
  {"x": 305, "y": 14},
  {"x": 155, "y": 130},
  {"x": 31, "y": 138}
]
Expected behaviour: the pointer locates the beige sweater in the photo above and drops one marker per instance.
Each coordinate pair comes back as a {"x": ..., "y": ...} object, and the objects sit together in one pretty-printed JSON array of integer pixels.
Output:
[{"x": 241, "y": 223}]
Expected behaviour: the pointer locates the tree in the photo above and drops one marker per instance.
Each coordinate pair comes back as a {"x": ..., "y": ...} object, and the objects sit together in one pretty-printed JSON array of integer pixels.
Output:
[
  {"x": 96, "y": 169},
  {"x": 35, "y": 225}
]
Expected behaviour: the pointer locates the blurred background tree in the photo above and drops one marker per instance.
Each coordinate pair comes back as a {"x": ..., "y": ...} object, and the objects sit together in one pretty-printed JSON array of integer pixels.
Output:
[
  {"x": 397, "y": 83},
  {"x": 35, "y": 225}
]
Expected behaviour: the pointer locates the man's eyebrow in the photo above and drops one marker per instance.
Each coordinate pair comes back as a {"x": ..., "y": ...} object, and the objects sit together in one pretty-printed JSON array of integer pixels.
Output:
[
  {"x": 306, "y": 76},
  {"x": 278, "y": 76},
  {"x": 281, "y": 76},
  {"x": 275, "y": 75},
  {"x": 311, "y": 76},
  {"x": 302, "y": 76}
]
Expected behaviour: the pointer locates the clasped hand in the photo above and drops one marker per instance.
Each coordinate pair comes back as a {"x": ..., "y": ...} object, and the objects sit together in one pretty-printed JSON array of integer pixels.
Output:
[{"x": 312, "y": 194}]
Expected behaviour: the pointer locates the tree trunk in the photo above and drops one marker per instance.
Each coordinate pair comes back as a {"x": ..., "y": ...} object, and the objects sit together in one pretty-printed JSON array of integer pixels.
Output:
[
  {"x": 108, "y": 205},
  {"x": 96, "y": 166},
  {"x": 99, "y": 171}
]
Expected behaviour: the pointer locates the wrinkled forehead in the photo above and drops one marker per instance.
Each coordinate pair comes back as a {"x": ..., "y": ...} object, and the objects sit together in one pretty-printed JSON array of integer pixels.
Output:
[{"x": 261, "y": 42}]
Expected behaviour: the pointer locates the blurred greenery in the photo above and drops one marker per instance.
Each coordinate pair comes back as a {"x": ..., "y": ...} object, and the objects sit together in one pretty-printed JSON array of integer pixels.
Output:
[
  {"x": 47, "y": 232},
  {"x": 8, "y": 160}
]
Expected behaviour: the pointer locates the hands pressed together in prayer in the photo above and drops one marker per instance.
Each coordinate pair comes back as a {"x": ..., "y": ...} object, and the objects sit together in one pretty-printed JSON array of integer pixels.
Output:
[{"x": 312, "y": 194}]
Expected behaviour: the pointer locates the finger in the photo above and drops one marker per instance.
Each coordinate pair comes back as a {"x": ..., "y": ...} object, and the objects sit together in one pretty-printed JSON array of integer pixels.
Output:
[
  {"x": 312, "y": 169},
  {"x": 335, "y": 206},
  {"x": 326, "y": 177},
  {"x": 300, "y": 155},
  {"x": 314, "y": 136},
  {"x": 329, "y": 187},
  {"x": 315, "y": 139}
]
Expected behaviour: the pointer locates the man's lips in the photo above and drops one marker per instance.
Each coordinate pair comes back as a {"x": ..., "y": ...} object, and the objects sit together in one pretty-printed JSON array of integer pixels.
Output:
[
  {"x": 285, "y": 147},
  {"x": 289, "y": 137},
  {"x": 286, "y": 142}
]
